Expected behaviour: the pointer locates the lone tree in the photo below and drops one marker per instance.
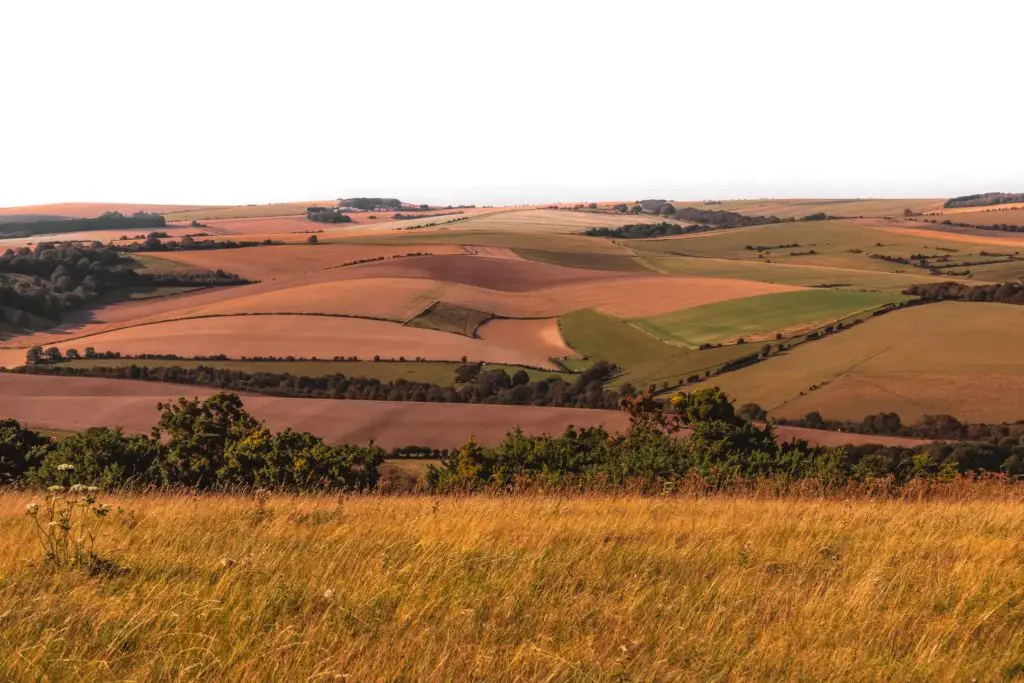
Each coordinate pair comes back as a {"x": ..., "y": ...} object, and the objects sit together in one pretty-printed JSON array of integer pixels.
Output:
[
  {"x": 34, "y": 355},
  {"x": 313, "y": 240},
  {"x": 636, "y": 208}
]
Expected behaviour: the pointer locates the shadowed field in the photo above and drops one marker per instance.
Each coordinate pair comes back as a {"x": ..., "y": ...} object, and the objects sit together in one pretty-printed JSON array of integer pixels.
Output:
[{"x": 537, "y": 588}]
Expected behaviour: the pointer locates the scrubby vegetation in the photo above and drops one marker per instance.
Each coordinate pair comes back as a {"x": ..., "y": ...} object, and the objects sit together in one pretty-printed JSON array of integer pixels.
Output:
[
  {"x": 55, "y": 278},
  {"x": 723, "y": 219},
  {"x": 108, "y": 221}
]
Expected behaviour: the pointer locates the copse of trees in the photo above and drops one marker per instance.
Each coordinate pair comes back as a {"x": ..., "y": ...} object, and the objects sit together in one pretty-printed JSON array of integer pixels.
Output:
[
  {"x": 112, "y": 220},
  {"x": 329, "y": 216},
  {"x": 984, "y": 199},
  {"x": 57, "y": 277}
]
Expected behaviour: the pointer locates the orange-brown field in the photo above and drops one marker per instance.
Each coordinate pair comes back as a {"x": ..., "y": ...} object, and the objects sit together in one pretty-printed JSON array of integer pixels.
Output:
[
  {"x": 312, "y": 336},
  {"x": 542, "y": 335},
  {"x": 1010, "y": 214},
  {"x": 76, "y": 403}
]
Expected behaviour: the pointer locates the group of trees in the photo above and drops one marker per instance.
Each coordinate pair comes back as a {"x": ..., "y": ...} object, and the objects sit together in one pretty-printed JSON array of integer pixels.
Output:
[
  {"x": 984, "y": 199},
  {"x": 1006, "y": 293},
  {"x": 322, "y": 215},
  {"x": 112, "y": 220},
  {"x": 376, "y": 203},
  {"x": 57, "y": 277},
  {"x": 474, "y": 383},
  {"x": 723, "y": 219},
  {"x": 198, "y": 444}
]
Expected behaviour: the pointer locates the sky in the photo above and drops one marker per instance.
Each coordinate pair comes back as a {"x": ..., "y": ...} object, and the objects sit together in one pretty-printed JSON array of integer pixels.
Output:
[{"x": 222, "y": 102}]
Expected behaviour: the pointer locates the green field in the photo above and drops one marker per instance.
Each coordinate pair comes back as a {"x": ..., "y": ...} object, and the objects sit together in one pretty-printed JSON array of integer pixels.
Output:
[
  {"x": 760, "y": 316},
  {"x": 603, "y": 337},
  {"x": 644, "y": 360},
  {"x": 431, "y": 372},
  {"x": 451, "y": 318}
]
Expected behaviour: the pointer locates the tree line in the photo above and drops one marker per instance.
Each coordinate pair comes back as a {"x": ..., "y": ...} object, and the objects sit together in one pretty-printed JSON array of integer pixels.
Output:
[
  {"x": 187, "y": 243},
  {"x": 215, "y": 444},
  {"x": 474, "y": 384},
  {"x": 111, "y": 220}
]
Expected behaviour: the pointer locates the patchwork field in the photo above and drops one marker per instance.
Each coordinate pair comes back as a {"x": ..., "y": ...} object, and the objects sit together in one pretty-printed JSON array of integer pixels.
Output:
[
  {"x": 523, "y": 286},
  {"x": 961, "y": 359}
]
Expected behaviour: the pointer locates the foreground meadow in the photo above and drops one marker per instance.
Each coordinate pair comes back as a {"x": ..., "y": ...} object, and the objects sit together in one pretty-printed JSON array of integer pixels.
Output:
[{"x": 530, "y": 588}]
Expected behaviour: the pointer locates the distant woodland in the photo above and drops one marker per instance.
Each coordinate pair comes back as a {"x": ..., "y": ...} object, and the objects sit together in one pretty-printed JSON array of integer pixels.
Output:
[{"x": 984, "y": 199}]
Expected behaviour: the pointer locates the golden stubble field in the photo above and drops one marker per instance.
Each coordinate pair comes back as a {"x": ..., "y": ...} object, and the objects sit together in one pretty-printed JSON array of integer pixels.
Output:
[{"x": 524, "y": 588}]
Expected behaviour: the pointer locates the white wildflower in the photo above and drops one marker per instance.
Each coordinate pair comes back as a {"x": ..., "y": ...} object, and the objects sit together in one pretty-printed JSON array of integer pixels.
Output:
[
  {"x": 55, "y": 488},
  {"x": 65, "y": 467},
  {"x": 328, "y": 594},
  {"x": 32, "y": 509},
  {"x": 77, "y": 488}
]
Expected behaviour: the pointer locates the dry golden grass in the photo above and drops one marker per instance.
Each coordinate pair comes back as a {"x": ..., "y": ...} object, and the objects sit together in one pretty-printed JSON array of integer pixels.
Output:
[{"x": 524, "y": 588}]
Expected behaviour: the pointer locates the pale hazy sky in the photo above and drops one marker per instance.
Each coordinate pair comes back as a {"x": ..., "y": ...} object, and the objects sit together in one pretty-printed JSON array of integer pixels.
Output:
[{"x": 238, "y": 102}]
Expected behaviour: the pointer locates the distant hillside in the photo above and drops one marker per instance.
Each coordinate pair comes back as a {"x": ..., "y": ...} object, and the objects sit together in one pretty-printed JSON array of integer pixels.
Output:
[
  {"x": 108, "y": 221},
  {"x": 985, "y": 199}
]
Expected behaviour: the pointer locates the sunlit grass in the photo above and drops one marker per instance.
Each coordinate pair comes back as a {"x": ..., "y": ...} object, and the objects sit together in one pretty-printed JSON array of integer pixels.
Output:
[{"x": 534, "y": 588}]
